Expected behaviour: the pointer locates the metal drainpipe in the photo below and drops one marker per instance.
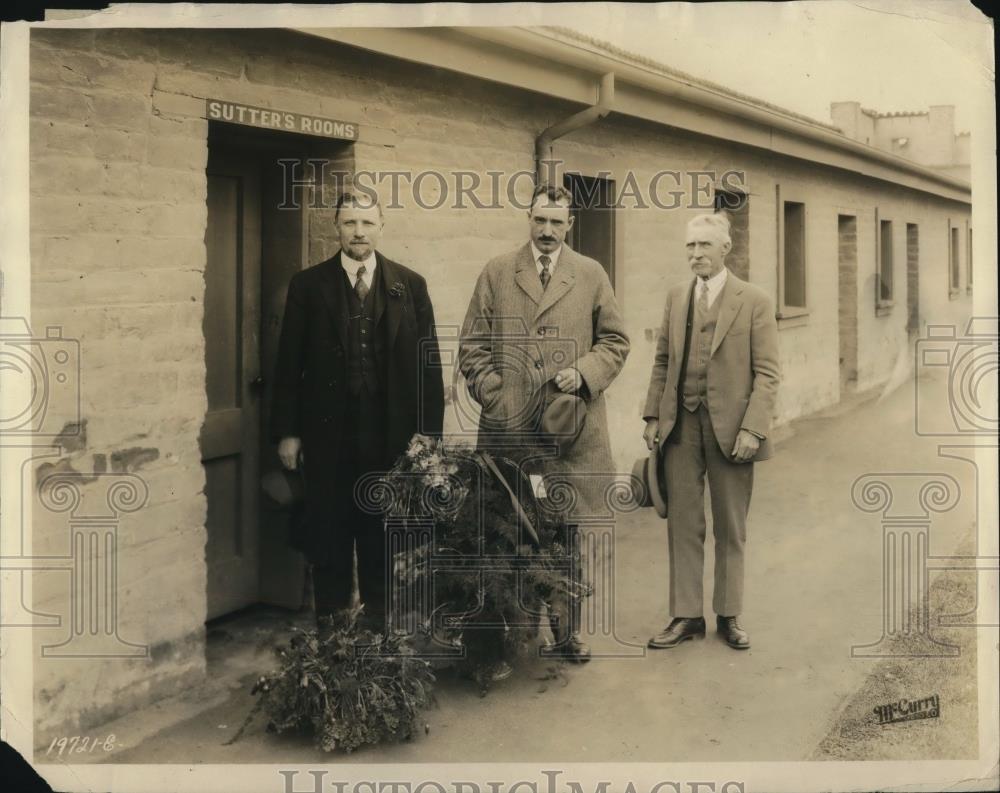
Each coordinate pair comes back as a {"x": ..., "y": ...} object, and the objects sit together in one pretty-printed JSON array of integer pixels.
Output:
[{"x": 543, "y": 143}]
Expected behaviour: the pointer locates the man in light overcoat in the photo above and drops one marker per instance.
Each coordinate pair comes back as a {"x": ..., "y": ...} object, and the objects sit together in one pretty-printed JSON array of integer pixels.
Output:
[
  {"x": 544, "y": 314},
  {"x": 709, "y": 406}
]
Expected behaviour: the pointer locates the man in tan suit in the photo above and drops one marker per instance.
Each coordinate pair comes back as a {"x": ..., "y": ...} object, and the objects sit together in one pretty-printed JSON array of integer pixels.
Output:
[
  {"x": 709, "y": 407},
  {"x": 545, "y": 314}
]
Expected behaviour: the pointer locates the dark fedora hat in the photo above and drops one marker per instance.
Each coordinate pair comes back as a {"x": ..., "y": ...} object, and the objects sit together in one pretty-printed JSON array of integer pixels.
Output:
[
  {"x": 648, "y": 471},
  {"x": 285, "y": 488},
  {"x": 562, "y": 416}
]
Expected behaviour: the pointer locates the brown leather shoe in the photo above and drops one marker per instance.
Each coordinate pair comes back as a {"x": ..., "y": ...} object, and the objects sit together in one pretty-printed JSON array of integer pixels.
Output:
[
  {"x": 680, "y": 629},
  {"x": 729, "y": 629}
]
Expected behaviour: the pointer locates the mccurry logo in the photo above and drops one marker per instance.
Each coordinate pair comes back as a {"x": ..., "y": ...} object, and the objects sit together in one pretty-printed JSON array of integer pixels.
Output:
[{"x": 908, "y": 710}]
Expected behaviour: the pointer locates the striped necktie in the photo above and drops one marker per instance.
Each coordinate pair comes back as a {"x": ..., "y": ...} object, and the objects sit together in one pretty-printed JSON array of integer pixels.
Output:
[
  {"x": 544, "y": 275},
  {"x": 360, "y": 287},
  {"x": 702, "y": 305}
]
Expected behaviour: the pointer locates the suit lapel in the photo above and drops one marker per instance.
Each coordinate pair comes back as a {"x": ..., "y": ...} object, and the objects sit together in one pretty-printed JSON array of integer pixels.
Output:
[
  {"x": 332, "y": 287},
  {"x": 678, "y": 333},
  {"x": 526, "y": 276},
  {"x": 562, "y": 281},
  {"x": 393, "y": 307},
  {"x": 380, "y": 294},
  {"x": 729, "y": 307}
]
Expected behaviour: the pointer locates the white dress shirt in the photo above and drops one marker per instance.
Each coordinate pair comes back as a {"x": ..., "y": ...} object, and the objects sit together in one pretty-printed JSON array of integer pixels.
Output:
[
  {"x": 554, "y": 256},
  {"x": 351, "y": 266},
  {"x": 715, "y": 284}
]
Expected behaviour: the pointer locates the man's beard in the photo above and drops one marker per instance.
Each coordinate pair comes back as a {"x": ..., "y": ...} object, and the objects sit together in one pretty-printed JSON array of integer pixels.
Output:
[{"x": 357, "y": 258}]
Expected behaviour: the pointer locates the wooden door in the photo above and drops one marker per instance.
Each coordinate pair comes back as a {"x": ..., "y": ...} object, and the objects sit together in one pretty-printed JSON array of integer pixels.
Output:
[{"x": 230, "y": 440}]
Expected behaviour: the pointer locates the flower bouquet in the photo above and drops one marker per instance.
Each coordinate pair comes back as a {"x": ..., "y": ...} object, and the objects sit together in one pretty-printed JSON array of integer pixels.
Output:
[{"x": 493, "y": 558}]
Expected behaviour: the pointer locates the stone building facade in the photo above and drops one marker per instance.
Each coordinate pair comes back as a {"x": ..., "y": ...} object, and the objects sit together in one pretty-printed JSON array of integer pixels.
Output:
[{"x": 134, "y": 193}]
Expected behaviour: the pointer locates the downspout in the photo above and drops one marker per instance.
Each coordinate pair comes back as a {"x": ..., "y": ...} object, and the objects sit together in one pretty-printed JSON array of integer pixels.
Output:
[{"x": 544, "y": 166}]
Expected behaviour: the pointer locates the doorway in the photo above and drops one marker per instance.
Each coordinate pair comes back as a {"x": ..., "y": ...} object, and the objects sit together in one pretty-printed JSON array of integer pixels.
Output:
[
  {"x": 847, "y": 283},
  {"x": 263, "y": 227},
  {"x": 912, "y": 280}
]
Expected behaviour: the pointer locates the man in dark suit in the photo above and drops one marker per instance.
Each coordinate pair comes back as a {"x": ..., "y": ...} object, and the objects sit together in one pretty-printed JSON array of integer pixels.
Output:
[
  {"x": 358, "y": 373},
  {"x": 709, "y": 407}
]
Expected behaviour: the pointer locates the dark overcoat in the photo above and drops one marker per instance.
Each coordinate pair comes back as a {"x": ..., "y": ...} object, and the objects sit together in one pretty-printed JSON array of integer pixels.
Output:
[{"x": 311, "y": 379}]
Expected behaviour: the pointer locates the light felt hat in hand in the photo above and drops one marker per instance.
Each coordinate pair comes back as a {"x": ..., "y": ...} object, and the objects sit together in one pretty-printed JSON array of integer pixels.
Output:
[{"x": 649, "y": 472}]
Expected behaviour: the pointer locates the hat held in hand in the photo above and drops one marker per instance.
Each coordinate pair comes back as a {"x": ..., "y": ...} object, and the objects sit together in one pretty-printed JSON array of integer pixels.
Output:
[
  {"x": 562, "y": 416},
  {"x": 283, "y": 487},
  {"x": 648, "y": 472}
]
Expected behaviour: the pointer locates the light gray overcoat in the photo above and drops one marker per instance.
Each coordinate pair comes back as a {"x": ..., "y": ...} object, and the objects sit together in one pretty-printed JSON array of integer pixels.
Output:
[{"x": 516, "y": 336}]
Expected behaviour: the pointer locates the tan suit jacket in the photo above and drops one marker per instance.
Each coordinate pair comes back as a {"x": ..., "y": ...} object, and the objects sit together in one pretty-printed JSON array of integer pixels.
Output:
[{"x": 743, "y": 370}]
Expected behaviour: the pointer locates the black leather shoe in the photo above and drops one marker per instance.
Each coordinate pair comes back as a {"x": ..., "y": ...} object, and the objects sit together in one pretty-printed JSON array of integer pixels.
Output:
[
  {"x": 729, "y": 629},
  {"x": 572, "y": 649},
  {"x": 680, "y": 629}
]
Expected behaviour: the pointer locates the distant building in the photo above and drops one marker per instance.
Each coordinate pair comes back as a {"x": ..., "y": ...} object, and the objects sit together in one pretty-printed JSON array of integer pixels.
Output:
[
  {"x": 163, "y": 241},
  {"x": 926, "y": 137}
]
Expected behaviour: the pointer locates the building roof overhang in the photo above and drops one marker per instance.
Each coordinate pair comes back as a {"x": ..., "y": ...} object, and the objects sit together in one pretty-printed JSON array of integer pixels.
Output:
[{"x": 569, "y": 66}]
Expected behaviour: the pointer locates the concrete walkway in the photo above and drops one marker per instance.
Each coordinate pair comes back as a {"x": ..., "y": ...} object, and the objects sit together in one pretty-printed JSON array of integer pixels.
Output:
[{"x": 814, "y": 589}]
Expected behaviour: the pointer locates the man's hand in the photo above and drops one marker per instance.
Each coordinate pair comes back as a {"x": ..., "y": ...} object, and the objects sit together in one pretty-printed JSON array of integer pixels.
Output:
[
  {"x": 652, "y": 433},
  {"x": 568, "y": 380},
  {"x": 290, "y": 452},
  {"x": 746, "y": 446}
]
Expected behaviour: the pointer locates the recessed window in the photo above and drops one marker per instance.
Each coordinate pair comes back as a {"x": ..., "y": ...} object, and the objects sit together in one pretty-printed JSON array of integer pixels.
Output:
[
  {"x": 953, "y": 265},
  {"x": 793, "y": 270},
  {"x": 968, "y": 263},
  {"x": 593, "y": 232}
]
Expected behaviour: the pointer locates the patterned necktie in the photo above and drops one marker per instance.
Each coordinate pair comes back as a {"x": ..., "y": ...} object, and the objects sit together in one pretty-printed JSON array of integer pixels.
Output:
[
  {"x": 360, "y": 287},
  {"x": 703, "y": 298},
  {"x": 544, "y": 275}
]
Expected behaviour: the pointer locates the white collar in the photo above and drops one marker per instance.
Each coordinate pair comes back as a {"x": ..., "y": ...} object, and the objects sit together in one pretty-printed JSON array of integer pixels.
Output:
[
  {"x": 715, "y": 284},
  {"x": 553, "y": 257},
  {"x": 351, "y": 266}
]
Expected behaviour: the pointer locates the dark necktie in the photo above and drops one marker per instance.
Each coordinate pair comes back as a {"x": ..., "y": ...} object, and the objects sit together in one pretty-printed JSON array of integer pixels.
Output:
[
  {"x": 544, "y": 275},
  {"x": 360, "y": 287}
]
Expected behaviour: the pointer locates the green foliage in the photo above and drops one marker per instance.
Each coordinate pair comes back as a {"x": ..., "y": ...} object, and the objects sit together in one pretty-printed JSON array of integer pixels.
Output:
[{"x": 347, "y": 687}]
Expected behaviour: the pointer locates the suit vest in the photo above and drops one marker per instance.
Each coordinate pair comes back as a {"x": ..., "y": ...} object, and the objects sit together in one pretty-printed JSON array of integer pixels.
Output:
[
  {"x": 694, "y": 388},
  {"x": 365, "y": 345}
]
